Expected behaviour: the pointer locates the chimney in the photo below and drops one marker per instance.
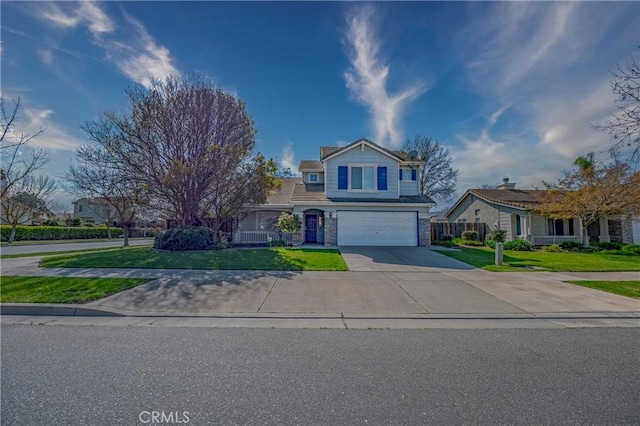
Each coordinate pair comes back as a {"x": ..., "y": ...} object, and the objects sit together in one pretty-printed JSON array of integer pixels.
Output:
[{"x": 506, "y": 185}]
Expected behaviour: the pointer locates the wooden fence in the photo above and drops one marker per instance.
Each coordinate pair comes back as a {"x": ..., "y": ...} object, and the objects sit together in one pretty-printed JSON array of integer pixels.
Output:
[{"x": 438, "y": 229}]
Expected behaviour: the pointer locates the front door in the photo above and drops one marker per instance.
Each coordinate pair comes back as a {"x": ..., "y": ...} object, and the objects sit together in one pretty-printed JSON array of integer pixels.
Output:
[{"x": 311, "y": 228}]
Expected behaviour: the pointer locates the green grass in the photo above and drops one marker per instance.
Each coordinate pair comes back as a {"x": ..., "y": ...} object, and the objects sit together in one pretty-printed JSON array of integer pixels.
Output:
[
  {"x": 78, "y": 240},
  {"x": 622, "y": 288},
  {"x": 62, "y": 289},
  {"x": 280, "y": 259},
  {"x": 47, "y": 253},
  {"x": 545, "y": 261}
]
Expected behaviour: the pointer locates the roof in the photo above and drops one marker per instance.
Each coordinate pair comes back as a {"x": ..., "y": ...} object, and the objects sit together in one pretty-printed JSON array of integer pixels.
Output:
[
  {"x": 523, "y": 199},
  {"x": 309, "y": 192},
  {"x": 406, "y": 199},
  {"x": 332, "y": 151},
  {"x": 283, "y": 194},
  {"x": 310, "y": 165}
]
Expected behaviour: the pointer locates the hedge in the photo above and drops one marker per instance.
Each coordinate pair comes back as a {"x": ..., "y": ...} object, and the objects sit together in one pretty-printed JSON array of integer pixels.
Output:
[{"x": 24, "y": 233}]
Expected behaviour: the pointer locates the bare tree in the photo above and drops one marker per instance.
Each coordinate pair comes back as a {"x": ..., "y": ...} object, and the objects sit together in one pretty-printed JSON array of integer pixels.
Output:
[
  {"x": 97, "y": 175},
  {"x": 181, "y": 138},
  {"x": 24, "y": 201},
  {"x": 22, "y": 194},
  {"x": 624, "y": 123},
  {"x": 437, "y": 178}
]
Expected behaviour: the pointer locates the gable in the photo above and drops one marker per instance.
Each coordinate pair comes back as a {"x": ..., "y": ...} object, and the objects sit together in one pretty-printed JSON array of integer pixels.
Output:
[{"x": 360, "y": 145}]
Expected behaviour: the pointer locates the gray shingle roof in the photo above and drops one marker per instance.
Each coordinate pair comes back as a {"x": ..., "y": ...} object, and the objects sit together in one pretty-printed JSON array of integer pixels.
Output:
[
  {"x": 413, "y": 199},
  {"x": 523, "y": 199},
  {"x": 309, "y": 192},
  {"x": 310, "y": 165},
  {"x": 283, "y": 194}
]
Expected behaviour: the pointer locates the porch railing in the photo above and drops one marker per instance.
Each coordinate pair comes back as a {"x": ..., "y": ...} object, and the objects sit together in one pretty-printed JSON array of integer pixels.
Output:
[
  {"x": 261, "y": 237},
  {"x": 546, "y": 240}
]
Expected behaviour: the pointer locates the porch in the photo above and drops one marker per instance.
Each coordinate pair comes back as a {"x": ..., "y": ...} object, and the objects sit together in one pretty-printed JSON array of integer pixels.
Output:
[{"x": 261, "y": 237}]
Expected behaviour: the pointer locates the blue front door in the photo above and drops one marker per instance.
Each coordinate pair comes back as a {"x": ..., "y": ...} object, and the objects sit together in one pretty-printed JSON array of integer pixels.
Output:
[{"x": 311, "y": 228}]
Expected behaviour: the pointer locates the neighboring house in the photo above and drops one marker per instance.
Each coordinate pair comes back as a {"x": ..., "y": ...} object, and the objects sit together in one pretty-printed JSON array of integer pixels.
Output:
[
  {"x": 94, "y": 210},
  {"x": 509, "y": 209},
  {"x": 361, "y": 194}
]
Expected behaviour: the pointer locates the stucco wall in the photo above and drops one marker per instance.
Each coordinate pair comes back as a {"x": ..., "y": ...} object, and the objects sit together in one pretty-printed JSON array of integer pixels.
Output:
[{"x": 466, "y": 210}]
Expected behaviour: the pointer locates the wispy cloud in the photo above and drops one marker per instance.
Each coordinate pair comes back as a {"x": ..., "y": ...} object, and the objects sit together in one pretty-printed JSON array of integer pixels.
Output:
[
  {"x": 84, "y": 12},
  {"x": 534, "y": 63},
  {"x": 129, "y": 47},
  {"x": 46, "y": 56},
  {"x": 367, "y": 80},
  {"x": 288, "y": 160}
]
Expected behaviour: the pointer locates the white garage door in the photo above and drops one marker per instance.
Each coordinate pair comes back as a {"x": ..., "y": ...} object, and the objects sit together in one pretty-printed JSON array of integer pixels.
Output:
[{"x": 362, "y": 228}]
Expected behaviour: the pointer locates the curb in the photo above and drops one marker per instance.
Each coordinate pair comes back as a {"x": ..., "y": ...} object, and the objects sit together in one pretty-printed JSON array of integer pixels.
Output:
[{"x": 37, "y": 309}]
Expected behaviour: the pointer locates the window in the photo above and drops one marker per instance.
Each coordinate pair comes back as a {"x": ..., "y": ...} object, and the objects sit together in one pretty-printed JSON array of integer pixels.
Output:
[
  {"x": 462, "y": 220},
  {"x": 79, "y": 208},
  {"x": 408, "y": 174},
  {"x": 477, "y": 219},
  {"x": 313, "y": 177},
  {"x": 477, "y": 212},
  {"x": 266, "y": 221},
  {"x": 518, "y": 225},
  {"x": 362, "y": 178}
]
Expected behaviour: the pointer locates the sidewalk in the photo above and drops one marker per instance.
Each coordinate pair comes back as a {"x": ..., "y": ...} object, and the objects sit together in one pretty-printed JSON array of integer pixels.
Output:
[{"x": 398, "y": 299}]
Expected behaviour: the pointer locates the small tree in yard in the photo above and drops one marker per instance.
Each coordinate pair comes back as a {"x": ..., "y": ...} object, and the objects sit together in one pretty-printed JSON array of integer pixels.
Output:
[
  {"x": 592, "y": 191},
  {"x": 289, "y": 223}
]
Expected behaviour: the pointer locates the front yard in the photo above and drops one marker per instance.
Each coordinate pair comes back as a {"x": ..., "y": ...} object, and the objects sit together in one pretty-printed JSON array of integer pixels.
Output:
[
  {"x": 545, "y": 261},
  {"x": 266, "y": 259},
  {"x": 62, "y": 289}
]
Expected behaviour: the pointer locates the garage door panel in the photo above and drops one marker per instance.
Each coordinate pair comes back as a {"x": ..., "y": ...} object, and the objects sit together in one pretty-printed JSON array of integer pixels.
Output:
[{"x": 377, "y": 228}]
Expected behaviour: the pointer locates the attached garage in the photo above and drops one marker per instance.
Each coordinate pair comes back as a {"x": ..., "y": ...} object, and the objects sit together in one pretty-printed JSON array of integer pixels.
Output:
[{"x": 377, "y": 228}]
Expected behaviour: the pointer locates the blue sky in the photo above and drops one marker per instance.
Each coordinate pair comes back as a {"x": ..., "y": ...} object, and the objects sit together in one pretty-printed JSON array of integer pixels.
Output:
[{"x": 510, "y": 87}]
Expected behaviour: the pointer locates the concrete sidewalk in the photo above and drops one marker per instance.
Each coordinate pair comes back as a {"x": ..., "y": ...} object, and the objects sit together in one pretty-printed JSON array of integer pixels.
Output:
[{"x": 385, "y": 287}]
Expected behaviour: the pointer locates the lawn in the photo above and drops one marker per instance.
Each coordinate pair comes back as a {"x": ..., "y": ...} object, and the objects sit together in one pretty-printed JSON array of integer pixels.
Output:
[
  {"x": 545, "y": 261},
  {"x": 623, "y": 288},
  {"x": 47, "y": 253},
  {"x": 62, "y": 289},
  {"x": 279, "y": 259}
]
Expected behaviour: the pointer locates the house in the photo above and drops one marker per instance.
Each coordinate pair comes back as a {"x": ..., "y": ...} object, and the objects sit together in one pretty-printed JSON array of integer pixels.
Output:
[
  {"x": 94, "y": 210},
  {"x": 509, "y": 209},
  {"x": 361, "y": 194}
]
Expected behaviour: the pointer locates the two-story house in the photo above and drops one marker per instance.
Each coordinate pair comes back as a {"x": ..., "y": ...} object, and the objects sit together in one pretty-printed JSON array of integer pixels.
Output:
[{"x": 358, "y": 195}]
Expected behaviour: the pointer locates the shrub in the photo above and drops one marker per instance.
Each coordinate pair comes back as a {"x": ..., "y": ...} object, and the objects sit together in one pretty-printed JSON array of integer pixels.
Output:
[
  {"x": 554, "y": 248},
  {"x": 474, "y": 243},
  {"x": 76, "y": 221},
  {"x": 36, "y": 233},
  {"x": 518, "y": 245},
  {"x": 470, "y": 235},
  {"x": 632, "y": 249},
  {"x": 51, "y": 222},
  {"x": 447, "y": 237},
  {"x": 497, "y": 235},
  {"x": 278, "y": 243},
  {"x": 608, "y": 245},
  {"x": 491, "y": 244},
  {"x": 571, "y": 245},
  {"x": 445, "y": 243},
  {"x": 185, "y": 239}
]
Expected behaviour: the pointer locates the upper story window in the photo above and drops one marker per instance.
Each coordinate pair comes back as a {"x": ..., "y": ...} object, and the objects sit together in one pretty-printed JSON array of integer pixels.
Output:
[
  {"x": 408, "y": 174},
  {"x": 313, "y": 177},
  {"x": 79, "y": 208},
  {"x": 362, "y": 178},
  {"x": 477, "y": 212}
]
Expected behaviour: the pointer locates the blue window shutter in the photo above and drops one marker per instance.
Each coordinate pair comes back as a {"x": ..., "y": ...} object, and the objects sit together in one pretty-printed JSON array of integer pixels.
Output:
[
  {"x": 382, "y": 178},
  {"x": 342, "y": 177},
  {"x": 414, "y": 174},
  {"x": 400, "y": 174}
]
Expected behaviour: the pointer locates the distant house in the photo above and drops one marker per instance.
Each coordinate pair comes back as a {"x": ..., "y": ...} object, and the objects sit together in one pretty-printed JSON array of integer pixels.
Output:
[
  {"x": 509, "y": 209},
  {"x": 94, "y": 210},
  {"x": 360, "y": 194}
]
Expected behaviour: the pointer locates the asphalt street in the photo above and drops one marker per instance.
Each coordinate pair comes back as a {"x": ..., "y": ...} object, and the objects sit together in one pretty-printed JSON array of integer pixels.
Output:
[
  {"x": 120, "y": 375},
  {"x": 82, "y": 245}
]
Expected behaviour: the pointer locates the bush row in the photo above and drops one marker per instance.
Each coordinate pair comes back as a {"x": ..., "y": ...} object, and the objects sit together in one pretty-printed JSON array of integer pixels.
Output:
[{"x": 33, "y": 233}]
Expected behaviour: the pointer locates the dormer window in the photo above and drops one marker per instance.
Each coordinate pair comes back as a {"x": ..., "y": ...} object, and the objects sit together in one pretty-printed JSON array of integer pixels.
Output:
[{"x": 313, "y": 177}]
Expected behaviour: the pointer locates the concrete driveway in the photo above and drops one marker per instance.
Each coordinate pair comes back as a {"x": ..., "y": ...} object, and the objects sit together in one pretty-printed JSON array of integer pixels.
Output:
[{"x": 399, "y": 259}]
